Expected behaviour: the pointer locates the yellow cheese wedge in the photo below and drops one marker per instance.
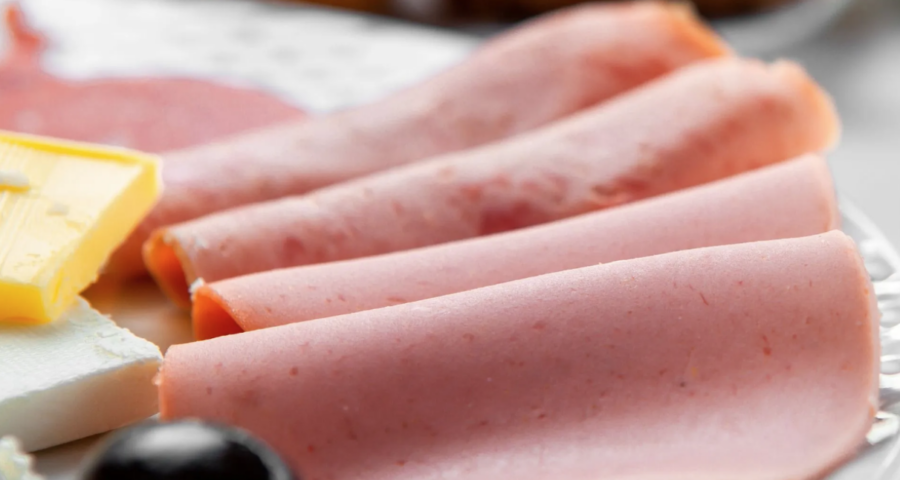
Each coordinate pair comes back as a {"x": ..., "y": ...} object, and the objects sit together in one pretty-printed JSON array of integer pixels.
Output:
[{"x": 64, "y": 208}]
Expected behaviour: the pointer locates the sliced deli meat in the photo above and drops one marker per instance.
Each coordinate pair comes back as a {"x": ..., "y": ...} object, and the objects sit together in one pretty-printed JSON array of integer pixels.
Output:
[
  {"x": 529, "y": 77},
  {"x": 791, "y": 199},
  {"x": 746, "y": 362},
  {"x": 701, "y": 123}
]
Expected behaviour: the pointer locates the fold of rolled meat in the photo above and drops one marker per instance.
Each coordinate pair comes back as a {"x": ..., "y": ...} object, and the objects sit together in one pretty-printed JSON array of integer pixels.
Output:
[
  {"x": 529, "y": 77},
  {"x": 701, "y": 123},
  {"x": 746, "y": 362},
  {"x": 791, "y": 199}
]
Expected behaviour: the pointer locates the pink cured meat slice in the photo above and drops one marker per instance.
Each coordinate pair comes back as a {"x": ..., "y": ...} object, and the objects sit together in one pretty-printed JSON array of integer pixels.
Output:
[
  {"x": 524, "y": 79},
  {"x": 746, "y": 362},
  {"x": 150, "y": 114},
  {"x": 701, "y": 123},
  {"x": 792, "y": 199}
]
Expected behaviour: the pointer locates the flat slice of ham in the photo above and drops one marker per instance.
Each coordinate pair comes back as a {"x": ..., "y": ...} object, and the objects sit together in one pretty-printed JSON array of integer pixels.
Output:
[
  {"x": 792, "y": 199},
  {"x": 741, "y": 362},
  {"x": 701, "y": 123},
  {"x": 150, "y": 114},
  {"x": 529, "y": 77}
]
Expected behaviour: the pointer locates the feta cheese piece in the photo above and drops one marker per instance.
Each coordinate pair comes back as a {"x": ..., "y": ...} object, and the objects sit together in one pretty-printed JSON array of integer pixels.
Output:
[
  {"x": 14, "y": 464},
  {"x": 74, "y": 377},
  {"x": 64, "y": 208}
]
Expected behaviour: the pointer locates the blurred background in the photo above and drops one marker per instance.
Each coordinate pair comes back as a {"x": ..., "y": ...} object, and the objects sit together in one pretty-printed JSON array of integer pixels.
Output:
[
  {"x": 451, "y": 12},
  {"x": 327, "y": 58}
]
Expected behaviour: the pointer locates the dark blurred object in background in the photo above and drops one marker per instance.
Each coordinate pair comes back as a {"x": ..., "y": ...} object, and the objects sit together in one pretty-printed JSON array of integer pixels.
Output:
[
  {"x": 721, "y": 8},
  {"x": 450, "y": 11},
  {"x": 753, "y": 27},
  {"x": 499, "y": 10},
  {"x": 377, "y": 6}
]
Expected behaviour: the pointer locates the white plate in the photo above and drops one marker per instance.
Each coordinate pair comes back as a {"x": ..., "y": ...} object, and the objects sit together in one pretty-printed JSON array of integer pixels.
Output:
[{"x": 321, "y": 61}]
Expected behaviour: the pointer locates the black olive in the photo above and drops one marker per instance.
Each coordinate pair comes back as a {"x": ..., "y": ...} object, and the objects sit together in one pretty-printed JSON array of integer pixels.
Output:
[{"x": 185, "y": 450}]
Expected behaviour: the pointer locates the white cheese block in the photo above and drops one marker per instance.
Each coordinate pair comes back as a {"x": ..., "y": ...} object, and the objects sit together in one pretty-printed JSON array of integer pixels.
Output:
[
  {"x": 14, "y": 464},
  {"x": 74, "y": 377}
]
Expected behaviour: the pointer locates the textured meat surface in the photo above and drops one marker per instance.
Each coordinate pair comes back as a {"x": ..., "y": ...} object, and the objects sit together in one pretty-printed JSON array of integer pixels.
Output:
[
  {"x": 791, "y": 199},
  {"x": 755, "y": 361},
  {"x": 701, "y": 123},
  {"x": 524, "y": 79}
]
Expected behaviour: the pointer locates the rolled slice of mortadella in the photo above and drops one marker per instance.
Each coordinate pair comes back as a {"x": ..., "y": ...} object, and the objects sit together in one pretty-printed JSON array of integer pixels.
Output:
[
  {"x": 701, "y": 123},
  {"x": 792, "y": 199},
  {"x": 746, "y": 362},
  {"x": 529, "y": 77}
]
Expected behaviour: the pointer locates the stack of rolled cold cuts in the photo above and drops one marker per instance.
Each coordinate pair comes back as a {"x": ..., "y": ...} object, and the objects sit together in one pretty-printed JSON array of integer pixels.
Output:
[{"x": 602, "y": 247}]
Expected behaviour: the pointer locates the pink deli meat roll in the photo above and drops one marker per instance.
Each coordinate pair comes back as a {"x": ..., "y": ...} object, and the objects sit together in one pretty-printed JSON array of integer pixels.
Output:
[
  {"x": 792, "y": 199},
  {"x": 702, "y": 123},
  {"x": 740, "y": 362},
  {"x": 536, "y": 74}
]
